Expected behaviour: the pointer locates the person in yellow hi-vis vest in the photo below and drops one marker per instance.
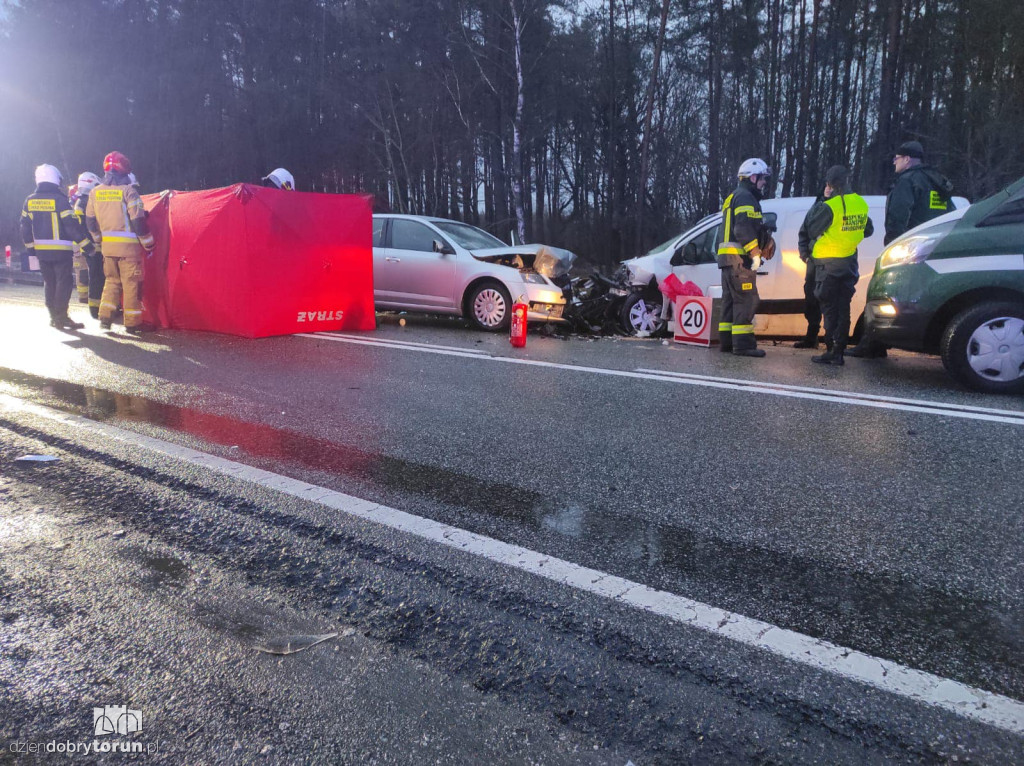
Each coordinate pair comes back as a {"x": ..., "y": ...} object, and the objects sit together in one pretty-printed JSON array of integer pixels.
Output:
[
  {"x": 837, "y": 226},
  {"x": 117, "y": 222}
]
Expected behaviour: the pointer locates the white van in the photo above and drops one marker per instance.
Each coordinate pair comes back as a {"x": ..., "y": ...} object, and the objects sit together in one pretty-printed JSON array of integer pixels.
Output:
[{"x": 692, "y": 256}]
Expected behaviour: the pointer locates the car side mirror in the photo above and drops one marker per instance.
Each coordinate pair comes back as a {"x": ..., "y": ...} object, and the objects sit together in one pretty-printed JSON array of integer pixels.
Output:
[
  {"x": 771, "y": 221},
  {"x": 443, "y": 249}
]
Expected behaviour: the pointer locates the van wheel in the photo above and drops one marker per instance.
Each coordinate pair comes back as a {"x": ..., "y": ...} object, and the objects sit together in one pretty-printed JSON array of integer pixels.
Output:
[
  {"x": 489, "y": 307},
  {"x": 983, "y": 347},
  {"x": 641, "y": 312}
]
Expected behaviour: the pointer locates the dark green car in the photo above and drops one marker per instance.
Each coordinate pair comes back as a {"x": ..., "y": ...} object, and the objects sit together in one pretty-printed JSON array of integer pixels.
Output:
[{"x": 955, "y": 286}]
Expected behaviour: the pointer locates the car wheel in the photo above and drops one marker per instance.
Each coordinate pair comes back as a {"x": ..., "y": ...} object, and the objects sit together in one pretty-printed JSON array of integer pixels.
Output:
[
  {"x": 489, "y": 307},
  {"x": 641, "y": 313},
  {"x": 983, "y": 347}
]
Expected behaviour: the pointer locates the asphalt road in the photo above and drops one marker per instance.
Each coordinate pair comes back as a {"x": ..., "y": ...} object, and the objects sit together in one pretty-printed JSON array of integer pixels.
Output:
[{"x": 889, "y": 525}]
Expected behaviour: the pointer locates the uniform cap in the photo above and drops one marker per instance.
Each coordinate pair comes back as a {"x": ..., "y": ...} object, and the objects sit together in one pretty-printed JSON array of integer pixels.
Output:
[
  {"x": 48, "y": 174},
  {"x": 911, "y": 149}
]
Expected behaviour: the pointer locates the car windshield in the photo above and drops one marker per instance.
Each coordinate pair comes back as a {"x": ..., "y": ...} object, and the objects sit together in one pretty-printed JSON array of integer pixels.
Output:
[
  {"x": 469, "y": 237},
  {"x": 663, "y": 246}
]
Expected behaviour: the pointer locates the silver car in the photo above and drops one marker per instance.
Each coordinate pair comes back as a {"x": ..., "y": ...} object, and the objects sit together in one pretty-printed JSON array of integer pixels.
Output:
[{"x": 435, "y": 265}]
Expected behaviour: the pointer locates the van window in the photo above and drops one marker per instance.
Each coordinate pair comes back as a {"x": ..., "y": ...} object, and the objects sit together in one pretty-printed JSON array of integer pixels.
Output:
[{"x": 707, "y": 246}]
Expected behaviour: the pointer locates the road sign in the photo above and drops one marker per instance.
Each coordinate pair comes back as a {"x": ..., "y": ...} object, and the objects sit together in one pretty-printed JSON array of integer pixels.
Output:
[{"x": 693, "y": 320}]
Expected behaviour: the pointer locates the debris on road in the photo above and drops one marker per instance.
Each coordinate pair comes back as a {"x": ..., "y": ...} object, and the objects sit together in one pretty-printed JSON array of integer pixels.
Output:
[{"x": 293, "y": 644}]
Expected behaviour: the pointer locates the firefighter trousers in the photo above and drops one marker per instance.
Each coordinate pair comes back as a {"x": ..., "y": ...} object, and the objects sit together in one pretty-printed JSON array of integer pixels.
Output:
[
  {"x": 58, "y": 282},
  {"x": 96, "y": 281},
  {"x": 739, "y": 304},
  {"x": 123, "y": 277}
]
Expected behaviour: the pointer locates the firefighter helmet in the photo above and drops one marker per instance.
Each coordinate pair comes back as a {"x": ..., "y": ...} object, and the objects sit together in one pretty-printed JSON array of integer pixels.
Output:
[
  {"x": 281, "y": 178},
  {"x": 48, "y": 174},
  {"x": 133, "y": 180},
  {"x": 115, "y": 162},
  {"x": 754, "y": 167},
  {"x": 88, "y": 181},
  {"x": 72, "y": 193}
]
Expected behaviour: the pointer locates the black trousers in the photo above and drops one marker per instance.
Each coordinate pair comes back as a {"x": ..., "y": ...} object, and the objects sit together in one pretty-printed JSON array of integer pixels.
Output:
[
  {"x": 812, "y": 309},
  {"x": 58, "y": 282},
  {"x": 739, "y": 304},
  {"x": 834, "y": 286}
]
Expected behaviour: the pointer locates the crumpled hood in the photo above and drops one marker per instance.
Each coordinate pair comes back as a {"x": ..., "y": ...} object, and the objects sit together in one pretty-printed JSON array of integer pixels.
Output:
[{"x": 547, "y": 261}]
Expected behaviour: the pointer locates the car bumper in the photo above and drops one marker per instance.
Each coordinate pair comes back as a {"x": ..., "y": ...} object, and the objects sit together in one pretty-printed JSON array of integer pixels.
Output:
[
  {"x": 897, "y": 325},
  {"x": 547, "y": 304}
]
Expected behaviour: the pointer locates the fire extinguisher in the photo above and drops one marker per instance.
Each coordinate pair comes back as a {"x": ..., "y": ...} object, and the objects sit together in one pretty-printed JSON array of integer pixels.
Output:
[{"x": 517, "y": 330}]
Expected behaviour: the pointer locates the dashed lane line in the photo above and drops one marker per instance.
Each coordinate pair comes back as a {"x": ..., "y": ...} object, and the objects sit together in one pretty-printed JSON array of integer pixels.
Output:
[{"x": 969, "y": 702}]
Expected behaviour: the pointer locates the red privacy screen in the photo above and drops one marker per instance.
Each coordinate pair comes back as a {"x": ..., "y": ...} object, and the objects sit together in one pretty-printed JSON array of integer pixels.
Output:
[{"x": 252, "y": 261}]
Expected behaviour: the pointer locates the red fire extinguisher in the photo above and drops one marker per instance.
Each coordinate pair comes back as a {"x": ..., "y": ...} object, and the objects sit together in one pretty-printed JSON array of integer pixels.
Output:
[{"x": 517, "y": 330}]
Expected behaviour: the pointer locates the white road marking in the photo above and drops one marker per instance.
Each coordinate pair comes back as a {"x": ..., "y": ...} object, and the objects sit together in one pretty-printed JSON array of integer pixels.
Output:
[
  {"x": 396, "y": 343},
  {"x": 969, "y": 702},
  {"x": 923, "y": 406}
]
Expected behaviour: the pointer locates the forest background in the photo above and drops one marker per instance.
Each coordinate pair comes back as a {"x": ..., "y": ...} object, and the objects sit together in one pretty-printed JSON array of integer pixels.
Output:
[{"x": 602, "y": 126}]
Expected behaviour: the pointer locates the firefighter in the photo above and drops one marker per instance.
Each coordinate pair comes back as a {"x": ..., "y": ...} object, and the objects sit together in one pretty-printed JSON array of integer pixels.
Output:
[
  {"x": 117, "y": 221},
  {"x": 743, "y": 242},
  {"x": 837, "y": 226},
  {"x": 79, "y": 264},
  {"x": 279, "y": 179},
  {"x": 50, "y": 231},
  {"x": 94, "y": 277}
]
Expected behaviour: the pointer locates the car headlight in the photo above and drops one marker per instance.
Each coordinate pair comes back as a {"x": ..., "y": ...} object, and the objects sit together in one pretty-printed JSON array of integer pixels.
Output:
[
  {"x": 530, "y": 276},
  {"x": 915, "y": 248}
]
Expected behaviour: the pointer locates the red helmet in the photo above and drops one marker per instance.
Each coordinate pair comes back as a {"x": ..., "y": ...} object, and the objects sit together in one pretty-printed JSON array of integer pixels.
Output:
[{"x": 117, "y": 162}]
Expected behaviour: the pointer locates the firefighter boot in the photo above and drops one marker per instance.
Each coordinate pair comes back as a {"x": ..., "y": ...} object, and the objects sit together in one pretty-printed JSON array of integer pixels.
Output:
[
  {"x": 725, "y": 341},
  {"x": 837, "y": 356},
  {"x": 746, "y": 345},
  {"x": 67, "y": 323}
]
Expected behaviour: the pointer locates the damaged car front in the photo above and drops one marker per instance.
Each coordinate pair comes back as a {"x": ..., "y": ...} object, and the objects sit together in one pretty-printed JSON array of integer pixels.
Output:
[{"x": 440, "y": 266}]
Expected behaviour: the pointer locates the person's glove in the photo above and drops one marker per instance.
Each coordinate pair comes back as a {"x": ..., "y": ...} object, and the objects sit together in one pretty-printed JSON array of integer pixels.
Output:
[{"x": 768, "y": 251}]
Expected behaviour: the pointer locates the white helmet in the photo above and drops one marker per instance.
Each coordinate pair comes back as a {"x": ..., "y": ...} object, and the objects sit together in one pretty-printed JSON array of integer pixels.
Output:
[
  {"x": 281, "y": 178},
  {"x": 754, "y": 167},
  {"x": 48, "y": 174},
  {"x": 132, "y": 180},
  {"x": 87, "y": 182}
]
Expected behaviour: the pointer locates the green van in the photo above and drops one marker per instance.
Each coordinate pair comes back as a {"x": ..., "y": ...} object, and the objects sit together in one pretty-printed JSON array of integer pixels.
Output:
[{"x": 955, "y": 286}]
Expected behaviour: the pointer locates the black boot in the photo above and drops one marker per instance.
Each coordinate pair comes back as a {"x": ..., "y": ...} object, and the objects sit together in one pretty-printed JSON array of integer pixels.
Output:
[
  {"x": 809, "y": 341},
  {"x": 94, "y": 312},
  {"x": 825, "y": 358},
  {"x": 837, "y": 357},
  {"x": 746, "y": 345},
  {"x": 725, "y": 341},
  {"x": 67, "y": 323},
  {"x": 868, "y": 351}
]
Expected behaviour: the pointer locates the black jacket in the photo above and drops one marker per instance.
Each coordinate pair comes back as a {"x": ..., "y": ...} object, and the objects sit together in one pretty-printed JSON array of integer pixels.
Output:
[
  {"x": 742, "y": 221},
  {"x": 918, "y": 194},
  {"x": 49, "y": 225}
]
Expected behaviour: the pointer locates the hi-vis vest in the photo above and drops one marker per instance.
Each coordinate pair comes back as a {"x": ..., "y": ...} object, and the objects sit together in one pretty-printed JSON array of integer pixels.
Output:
[
  {"x": 849, "y": 218},
  {"x": 114, "y": 213}
]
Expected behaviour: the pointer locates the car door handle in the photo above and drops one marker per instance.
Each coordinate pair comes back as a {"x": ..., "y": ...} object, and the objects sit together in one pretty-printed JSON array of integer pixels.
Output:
[
  {"x": 393, "y": 260},
  {"x": 763, "y": 273}
]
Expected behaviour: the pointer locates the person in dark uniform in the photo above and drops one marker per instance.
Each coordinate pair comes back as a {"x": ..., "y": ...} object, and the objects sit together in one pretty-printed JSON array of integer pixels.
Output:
[
  {"x": 919, "y": 193},
  {"x": 743, "y": 242},
  {"x": 837, "y": 225},
  {"x": 50, "y": 231},
  {"x": 812, "y": 309}
]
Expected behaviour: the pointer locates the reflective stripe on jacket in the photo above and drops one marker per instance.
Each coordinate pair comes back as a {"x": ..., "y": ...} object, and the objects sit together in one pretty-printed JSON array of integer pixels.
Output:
[
  {"x": 116, "y": 219},
  {"x": 742, "y": 222},
  {"x": 49, "y": 226},
  {"x": 847, "y": 229}
]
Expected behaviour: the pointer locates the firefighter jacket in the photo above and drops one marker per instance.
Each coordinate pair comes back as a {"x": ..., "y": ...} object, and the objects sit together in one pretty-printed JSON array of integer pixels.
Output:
[
  {"x": 918, "y": 194},
  {"x": 117, "y": 221},
  {"x": 837, "y": 226},
  {"x": 742, "y": 226},
  {"x": 79, "y": 209},
  {"x": 49, "y": 227}
]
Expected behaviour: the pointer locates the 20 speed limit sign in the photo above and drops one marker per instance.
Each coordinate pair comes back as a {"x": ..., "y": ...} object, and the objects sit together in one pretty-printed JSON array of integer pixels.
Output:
[{"x": 693, "y": 320}]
